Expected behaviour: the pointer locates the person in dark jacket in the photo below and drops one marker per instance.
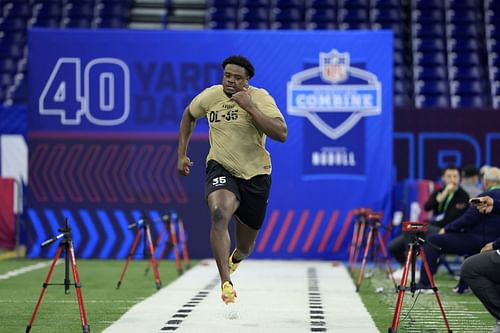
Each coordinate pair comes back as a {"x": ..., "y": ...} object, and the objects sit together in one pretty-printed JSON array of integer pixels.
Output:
[
  {"x": 481, "y": 270},
  {"x": 468, "y": 234},
  {"x": 446, "y": 205}
]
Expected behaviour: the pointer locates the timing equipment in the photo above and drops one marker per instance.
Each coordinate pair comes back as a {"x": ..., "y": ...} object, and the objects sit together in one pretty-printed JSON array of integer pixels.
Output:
[
  {"x": 66, "y": 244},
  {"x": 416, "y": 230},
  {"x": 143, "y": 225},
  {"x": 374, "y": 225}
]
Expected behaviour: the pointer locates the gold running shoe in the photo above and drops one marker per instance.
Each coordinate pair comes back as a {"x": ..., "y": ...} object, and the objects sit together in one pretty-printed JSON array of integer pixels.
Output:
[
  {"x": 228, "y": 293},
  {"x": 233, "y": 266}
]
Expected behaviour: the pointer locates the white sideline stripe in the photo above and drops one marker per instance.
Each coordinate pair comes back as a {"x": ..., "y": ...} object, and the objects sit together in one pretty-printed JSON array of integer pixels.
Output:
[
  {"x": 25, "y": 269},
  {"x": 273, "y": 296},
  {"x": 75, "y": 301}
]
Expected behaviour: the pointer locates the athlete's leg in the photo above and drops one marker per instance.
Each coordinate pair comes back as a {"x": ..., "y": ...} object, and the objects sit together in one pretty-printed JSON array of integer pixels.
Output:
[
  {"x": 245, "y": 240},
  {"x": 222, "y": 204}
]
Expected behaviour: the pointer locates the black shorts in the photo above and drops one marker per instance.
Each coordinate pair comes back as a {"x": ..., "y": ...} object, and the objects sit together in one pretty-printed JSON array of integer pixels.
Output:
[{"x": 252, "y": 194}]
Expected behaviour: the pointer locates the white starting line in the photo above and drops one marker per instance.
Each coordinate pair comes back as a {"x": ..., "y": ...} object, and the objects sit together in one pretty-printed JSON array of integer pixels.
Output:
[{"x": 273, "y": 296}]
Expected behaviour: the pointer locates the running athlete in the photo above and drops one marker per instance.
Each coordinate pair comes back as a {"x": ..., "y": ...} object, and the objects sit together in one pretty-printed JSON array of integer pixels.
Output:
[{"x": 238, "y": 166}]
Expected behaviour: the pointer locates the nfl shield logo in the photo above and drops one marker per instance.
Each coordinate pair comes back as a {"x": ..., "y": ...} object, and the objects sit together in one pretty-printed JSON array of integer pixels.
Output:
[{"x": 334, "y": 66}]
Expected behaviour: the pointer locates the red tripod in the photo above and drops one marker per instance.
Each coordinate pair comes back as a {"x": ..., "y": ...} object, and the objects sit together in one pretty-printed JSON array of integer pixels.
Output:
[
  {"x": 67, "y": 245},
  {"x": 417, "y": 230},
  {"x": 169, "y": 229},
  {"x": 142, "y": 225},
  {"x": 358, "y": 233},
  {"x": 182, "y": 236},
  {"x": 374, "y": 225}
]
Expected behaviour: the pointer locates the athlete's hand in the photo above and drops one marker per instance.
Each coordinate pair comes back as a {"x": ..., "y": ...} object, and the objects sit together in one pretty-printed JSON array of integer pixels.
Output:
[
  {"x": 243, "y": 98},
  {"x": 183, "y": 165}
]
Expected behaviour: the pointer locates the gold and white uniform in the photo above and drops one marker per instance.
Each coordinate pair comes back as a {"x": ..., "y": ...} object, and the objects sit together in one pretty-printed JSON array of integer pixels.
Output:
[{"x": 235, "y": 142}]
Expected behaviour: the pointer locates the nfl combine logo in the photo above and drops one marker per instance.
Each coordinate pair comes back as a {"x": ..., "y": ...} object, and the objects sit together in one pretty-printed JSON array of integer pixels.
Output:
[
  {"x": 335, "y": 94},
  {"x": 334, "y": 66}
]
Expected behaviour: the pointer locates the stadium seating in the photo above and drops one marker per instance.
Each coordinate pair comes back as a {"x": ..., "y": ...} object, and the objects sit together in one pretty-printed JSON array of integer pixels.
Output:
[
  {"x": 446, "y": 52},
  {"x": 441, "y": 51},
  {"x": 17, "y": 16}
]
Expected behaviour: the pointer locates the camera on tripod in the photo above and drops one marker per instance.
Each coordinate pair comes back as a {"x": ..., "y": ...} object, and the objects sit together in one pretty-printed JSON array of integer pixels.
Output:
[
  {"x": 415, "y": 227},
  {"x": 374, "y": 219}
]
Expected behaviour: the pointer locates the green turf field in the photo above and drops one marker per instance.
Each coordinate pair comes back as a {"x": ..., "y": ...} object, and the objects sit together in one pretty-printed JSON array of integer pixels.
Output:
[
  {"x": 464, "y": 312},
  {"x": 58, "y": 312},
  {"x": 104, "y": 304}
]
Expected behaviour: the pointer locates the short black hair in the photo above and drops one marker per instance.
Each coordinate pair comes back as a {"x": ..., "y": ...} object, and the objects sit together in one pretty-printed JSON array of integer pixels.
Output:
[
  {"x": 470, "y": 170},
  {"x": 450, "y": 167},
  {"x": 240, "y": 61}
]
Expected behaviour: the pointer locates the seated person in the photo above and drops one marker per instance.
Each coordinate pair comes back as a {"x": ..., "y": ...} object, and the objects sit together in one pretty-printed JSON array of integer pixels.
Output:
[
  {"x": 481, "y": 270},
  {"x": 470, "y": 180},
  {"x": 467, "y": 234},
  {"x": 446, "y": 204}
]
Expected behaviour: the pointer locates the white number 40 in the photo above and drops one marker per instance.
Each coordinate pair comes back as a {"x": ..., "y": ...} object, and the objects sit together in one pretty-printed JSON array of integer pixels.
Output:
[{"x": 103, "y": 99}]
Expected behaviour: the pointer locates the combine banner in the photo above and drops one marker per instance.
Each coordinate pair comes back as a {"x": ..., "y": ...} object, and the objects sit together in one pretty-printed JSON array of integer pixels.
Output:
[{"x": 105, "y": 107}]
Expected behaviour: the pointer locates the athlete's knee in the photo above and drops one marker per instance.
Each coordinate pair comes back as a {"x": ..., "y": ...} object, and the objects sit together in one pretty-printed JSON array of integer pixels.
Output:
[{"x": 218, "y": 216}]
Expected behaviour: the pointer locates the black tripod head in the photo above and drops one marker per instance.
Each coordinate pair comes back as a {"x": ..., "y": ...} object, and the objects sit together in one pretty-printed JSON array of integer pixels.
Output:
[
  {"x": 375, "y": 220},
  {"x": 65, "y": 232},
  {"x": 145, "y": 221},
  {"x": 362, "y": 214}
]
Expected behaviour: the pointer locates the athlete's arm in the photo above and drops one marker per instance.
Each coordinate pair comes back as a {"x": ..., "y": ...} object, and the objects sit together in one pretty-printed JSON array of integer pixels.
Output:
[
  {"x": 185, "y": 130},
  {"x": 275, "y": 128}
]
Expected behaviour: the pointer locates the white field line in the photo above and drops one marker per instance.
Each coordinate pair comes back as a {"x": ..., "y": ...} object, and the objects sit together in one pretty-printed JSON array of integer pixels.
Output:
[
  {"x": 25, "y": 269},
  {"x": 85, "y": 301}
]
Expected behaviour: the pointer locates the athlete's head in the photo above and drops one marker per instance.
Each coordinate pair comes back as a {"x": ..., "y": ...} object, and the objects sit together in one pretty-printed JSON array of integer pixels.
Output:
[{"x": 237, "y": 71}]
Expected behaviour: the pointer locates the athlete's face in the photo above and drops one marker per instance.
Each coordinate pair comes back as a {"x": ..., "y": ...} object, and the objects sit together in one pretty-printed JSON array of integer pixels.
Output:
[{"x": 235, "y": 79}]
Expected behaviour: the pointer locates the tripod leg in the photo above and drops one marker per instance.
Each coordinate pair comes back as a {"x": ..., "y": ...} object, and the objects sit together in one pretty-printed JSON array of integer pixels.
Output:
[
  {"x": 402, "y": 288},
  {"x": 182, "y": 236},
  {"x": 44, "y": 288},
  {"x": 130, "y": 254},
  {"x": 153, "y": 261},
  {"x": 352, "y": 247},
  {"x": 386, "y": 259},
  {"x": 176, "y": 248},
  {"x": 431, "y": 280},
  {"x": 78, "y": 286},
  {"x": 67, "y": 281},
  {"x": 168, "y": 242},
  {"x": 160, "y": 237},
  {"x": 359, "y": 242},
  {"x": 369, "y": 242},
  {"x": 158, "y": 240}
]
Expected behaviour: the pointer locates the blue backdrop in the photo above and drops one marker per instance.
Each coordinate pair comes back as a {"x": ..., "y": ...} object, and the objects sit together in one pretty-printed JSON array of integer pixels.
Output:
[{"x": 105, "y": 108}]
